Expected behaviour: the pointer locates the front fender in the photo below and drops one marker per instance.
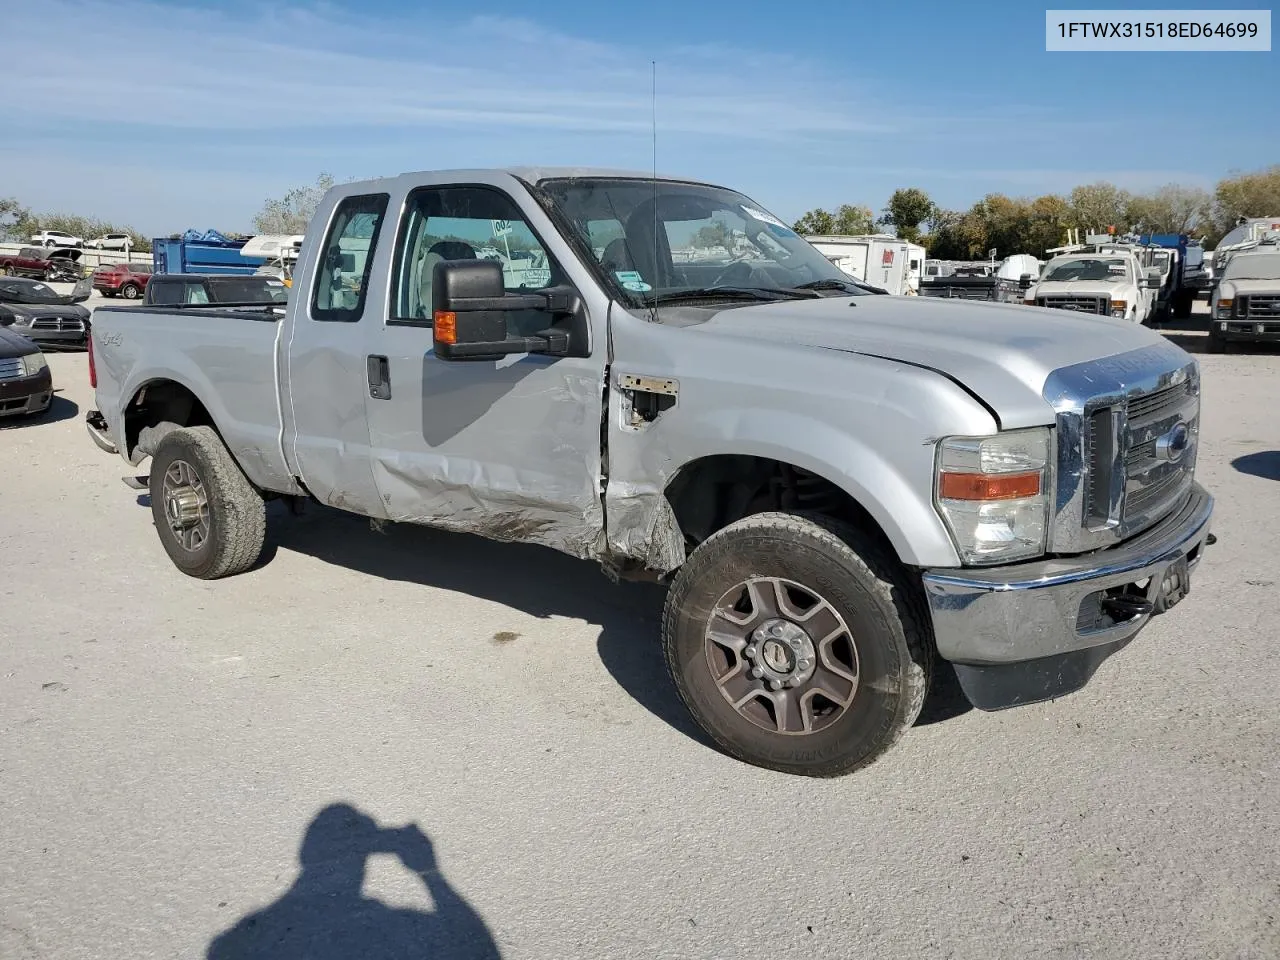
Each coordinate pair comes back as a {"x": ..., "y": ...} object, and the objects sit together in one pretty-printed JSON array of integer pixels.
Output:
[{"x": 902, "y": 507}]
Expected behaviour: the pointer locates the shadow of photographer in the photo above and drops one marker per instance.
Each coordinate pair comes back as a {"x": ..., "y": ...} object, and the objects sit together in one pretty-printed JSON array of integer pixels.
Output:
[{"x": 326, "y": 916}]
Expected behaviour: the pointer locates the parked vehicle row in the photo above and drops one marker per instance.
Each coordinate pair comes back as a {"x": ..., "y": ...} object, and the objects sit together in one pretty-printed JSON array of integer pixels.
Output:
[
  {"x": 57, "y": 238},
  {"x": 837, "y": 486}
]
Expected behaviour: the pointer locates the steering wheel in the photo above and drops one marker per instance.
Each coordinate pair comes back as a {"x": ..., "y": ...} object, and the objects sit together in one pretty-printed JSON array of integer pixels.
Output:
[{"x": 736, "y": 274}]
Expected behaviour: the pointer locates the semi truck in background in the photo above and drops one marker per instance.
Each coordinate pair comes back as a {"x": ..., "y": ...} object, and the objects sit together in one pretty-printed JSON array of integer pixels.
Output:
[{"x": 890, "y": 263}]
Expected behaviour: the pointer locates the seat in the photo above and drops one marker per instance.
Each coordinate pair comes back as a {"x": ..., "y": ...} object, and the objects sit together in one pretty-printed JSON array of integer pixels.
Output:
[
  {"x": 439, "y": 251},
  {"x": 617, "y": 257}
]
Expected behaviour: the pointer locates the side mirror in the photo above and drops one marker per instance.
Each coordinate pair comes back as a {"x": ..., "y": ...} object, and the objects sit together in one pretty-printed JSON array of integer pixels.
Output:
[
  {"x": 1024, "y": 281},
  {"x": 83, "y": 290},
  {"x": 1154, "y": 279},
  {"x": 469, "y": 304}
]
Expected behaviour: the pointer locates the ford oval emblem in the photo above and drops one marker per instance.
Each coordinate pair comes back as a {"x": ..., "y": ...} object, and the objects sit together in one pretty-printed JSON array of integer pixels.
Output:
[{"x": 1174, "y": 444}]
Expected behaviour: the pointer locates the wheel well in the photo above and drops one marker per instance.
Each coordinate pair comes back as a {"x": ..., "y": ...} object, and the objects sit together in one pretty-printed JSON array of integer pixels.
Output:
[
  {"x": 162, "y": 401},
  {"x": 711, "y": 493}
]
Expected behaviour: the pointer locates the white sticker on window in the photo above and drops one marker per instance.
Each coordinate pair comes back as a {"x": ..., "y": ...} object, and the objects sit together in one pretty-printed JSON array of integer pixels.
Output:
[
  {"x": 631, "y": 280},
  {"x": 763, "y": 217}
]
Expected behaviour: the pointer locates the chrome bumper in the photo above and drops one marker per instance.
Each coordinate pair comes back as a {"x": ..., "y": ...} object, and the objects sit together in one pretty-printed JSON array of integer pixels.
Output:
[
  {"x": 1051, "y": 609},
  {"x": 99, "y": 432}
]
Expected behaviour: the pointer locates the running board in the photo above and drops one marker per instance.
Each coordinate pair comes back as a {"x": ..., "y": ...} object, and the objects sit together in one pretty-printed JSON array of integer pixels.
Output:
[{"x": 137, "y": 483}]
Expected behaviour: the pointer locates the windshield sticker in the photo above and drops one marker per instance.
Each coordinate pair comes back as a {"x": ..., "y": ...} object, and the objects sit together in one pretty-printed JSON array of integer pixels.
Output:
[
  {"x": 763, "y": 217},
  {"x": 631, "y": 280}
]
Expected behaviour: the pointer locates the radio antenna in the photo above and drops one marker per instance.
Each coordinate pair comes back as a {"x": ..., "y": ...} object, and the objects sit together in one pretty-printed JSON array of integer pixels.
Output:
[{"x": 653, "y": 122}]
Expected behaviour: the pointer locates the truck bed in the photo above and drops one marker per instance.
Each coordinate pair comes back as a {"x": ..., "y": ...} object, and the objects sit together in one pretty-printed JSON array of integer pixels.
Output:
[{"x": 232, "y": 369}]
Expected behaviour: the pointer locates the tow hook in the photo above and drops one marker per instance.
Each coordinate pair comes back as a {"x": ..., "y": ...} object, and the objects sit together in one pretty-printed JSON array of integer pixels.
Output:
[
  {"x": 1210, "y": 540},
  {"x": 1127, "y": 606}
]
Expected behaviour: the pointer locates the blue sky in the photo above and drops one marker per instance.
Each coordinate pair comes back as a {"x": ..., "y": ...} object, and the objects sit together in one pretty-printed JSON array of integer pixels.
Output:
[{"x": 169, "y": 115}]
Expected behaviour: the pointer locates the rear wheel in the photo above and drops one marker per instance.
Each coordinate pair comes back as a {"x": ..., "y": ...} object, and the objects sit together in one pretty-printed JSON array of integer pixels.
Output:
[
  {"x": 211, "y": 520},
  {"x": 798, "y": 644},
  {"x": 130, "y": 291}
]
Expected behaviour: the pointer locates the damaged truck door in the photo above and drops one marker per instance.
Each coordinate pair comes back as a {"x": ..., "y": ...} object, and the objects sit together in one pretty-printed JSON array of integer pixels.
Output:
[{"x": 498, "y": 440}]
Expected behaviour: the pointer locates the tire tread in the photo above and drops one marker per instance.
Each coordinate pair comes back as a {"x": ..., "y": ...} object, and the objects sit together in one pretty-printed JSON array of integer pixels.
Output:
[{"x": 883, "y": 575}]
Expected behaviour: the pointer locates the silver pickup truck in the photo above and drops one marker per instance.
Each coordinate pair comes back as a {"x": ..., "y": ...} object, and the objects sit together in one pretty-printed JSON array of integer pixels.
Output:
[{"x": 839, "y": 487}]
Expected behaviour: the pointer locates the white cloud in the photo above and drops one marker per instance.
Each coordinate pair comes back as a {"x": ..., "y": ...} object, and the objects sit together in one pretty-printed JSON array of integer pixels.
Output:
[{"x": 275, "y": 67}]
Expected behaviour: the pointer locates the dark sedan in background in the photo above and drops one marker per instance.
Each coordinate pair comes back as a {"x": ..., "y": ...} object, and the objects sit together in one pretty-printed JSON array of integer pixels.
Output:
[
  {"x": 38, "y": 312},
  {"x": 25, "y": 383}
]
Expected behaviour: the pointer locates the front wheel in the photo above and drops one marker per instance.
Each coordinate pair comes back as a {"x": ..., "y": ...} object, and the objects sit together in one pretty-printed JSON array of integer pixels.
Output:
[
  {"x": 130, "y": 291},
  {"x": 211, "y": 520},
  {"x": 798, "y": 644}
]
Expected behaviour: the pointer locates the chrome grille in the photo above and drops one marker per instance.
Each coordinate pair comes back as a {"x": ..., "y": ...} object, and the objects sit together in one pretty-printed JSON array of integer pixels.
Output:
[
  {"x": 1098, "y": 305},
  {"x": 60, "y": 324},
  {"x": 11, "y": 369},
  {"x": 1117, "y": 472},
  {"x": 1153, "y": 484},
  {"x": 1260, "y": 308},
  {"x": 1158, "y": 402}
]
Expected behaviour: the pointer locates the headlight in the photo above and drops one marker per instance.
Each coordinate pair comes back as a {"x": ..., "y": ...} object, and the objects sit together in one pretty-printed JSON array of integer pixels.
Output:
[
  {"x": 21, "y": 319},
  {"x": 993, "y": 493},
  {"x": 33, "y": 363},
  {"x": 1226, "y": 307},
  {"x": 1119, "y": 308}
]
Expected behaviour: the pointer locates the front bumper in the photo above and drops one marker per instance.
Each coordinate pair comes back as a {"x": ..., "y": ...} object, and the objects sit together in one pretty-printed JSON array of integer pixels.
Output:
[
  {"x": 58, "y": 338},
  {"x": 1246, "y": 331},
  {"x": 1034, "y": 631},
  {"x": 26, "y": 395}
]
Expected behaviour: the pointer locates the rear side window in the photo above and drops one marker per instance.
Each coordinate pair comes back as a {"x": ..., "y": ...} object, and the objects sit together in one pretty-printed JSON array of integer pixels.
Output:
[
  {"x": 165, "y": 292},
  {"x": 342, "y": 279}
]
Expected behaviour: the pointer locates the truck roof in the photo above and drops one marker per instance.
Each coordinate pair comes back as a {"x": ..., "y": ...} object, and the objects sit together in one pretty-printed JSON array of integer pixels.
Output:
[{"x": 532, "y": 174}]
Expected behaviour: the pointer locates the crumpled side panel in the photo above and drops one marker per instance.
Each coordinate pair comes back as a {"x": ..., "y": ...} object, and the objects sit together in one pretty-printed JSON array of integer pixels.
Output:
[
  {"x": 496, "y": 501},
  {"x": 643, "y": 526}
]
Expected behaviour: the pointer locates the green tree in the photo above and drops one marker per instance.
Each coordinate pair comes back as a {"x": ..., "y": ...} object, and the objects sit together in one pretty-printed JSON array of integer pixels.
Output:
[
  {"x": 714, "y": 234},
  {"x": 1097, "y": 206},
  {"x": 1255, "y": 194},
  {"x": 1174, "y": 208},
  {"x": 848, "y": 220},
  {"x": 291, "y": 213},
  {"x": 907, "y": 209},
  {"x": 14, "y": 220}
]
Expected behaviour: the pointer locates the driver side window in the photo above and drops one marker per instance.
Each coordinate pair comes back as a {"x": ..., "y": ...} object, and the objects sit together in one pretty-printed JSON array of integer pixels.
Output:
[{"x": 467, "y": 223}]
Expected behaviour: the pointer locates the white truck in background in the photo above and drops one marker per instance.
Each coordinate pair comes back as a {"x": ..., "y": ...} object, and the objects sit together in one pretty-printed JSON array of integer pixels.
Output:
[
  {"x": 887, "y": 262},
  {"x": 1108, "y": 280}
]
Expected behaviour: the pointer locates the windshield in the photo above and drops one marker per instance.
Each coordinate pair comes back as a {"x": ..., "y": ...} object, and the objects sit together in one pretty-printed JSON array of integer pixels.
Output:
[
  {"x": 1258, "y": 266},
  {"x": 664, "y": 240},
  {"x": 1088, "y": 268},
  {"x": 28, "y": 291}
]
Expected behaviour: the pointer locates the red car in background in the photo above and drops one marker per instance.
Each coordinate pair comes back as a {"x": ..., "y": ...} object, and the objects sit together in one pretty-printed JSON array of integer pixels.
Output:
[{"x": 127, "y": 280}]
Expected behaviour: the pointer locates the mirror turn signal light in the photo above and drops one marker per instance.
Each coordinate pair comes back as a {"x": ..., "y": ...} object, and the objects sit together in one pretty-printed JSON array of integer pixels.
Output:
[{"x": 445, "y": 326}]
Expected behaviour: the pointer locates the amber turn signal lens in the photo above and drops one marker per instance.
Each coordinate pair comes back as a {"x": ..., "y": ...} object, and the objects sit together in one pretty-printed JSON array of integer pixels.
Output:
[
  {"x": 446, "y": 327},
  {"x": 988, "y": 486}
]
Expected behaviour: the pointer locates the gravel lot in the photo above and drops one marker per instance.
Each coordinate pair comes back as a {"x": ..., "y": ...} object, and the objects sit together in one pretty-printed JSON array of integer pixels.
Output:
[{"x": 167, "y": 743}]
